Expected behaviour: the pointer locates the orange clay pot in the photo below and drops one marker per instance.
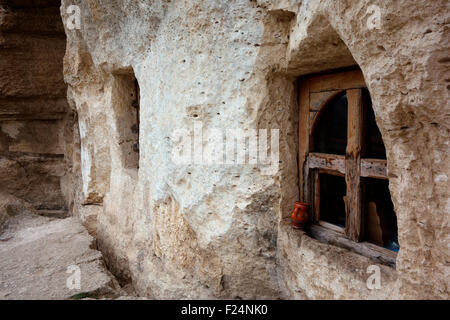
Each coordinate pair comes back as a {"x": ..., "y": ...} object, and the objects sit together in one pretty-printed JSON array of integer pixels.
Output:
[{"x": 299, "y": 215}]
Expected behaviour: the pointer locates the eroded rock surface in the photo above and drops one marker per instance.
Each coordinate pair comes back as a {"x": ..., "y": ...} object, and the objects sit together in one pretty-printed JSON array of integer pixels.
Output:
[{"x": 215, "y": 231}]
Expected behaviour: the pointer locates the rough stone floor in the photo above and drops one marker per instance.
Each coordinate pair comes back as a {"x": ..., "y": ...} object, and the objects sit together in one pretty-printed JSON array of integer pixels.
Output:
[{"x": 36, "y": 252}]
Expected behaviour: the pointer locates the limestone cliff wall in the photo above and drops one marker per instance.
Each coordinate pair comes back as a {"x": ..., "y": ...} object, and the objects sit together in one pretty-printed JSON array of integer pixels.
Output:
[
  {"x": 36, "y": 125},
  {"x": 204, "y": 231}
]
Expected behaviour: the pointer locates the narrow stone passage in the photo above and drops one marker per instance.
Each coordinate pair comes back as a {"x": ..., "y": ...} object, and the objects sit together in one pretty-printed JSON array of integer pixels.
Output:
[{"x": 36, "y": 254}]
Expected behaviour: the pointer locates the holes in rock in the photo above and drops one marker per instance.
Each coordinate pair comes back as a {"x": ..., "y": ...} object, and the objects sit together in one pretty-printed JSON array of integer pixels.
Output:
[{"x": 444, "y": 60}]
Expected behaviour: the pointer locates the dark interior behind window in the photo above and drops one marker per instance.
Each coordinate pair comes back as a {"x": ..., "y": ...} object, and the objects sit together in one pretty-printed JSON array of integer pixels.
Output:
[{"x": 331, "y": 131}]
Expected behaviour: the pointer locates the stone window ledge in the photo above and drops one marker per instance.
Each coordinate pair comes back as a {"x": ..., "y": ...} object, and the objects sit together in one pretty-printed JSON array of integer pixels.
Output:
[{"x": 326, "y": 270}]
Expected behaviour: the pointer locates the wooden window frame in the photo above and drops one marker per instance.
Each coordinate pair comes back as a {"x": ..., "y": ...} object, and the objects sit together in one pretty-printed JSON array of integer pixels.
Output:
[
  {"x": 315, "y": 93},
  {"x": 137, "y": 105}
]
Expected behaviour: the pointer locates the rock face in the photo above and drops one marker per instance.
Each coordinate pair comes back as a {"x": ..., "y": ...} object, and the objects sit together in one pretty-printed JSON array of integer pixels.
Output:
[
  {"x": 11, "y": 206},
  {"x": 219, "y": 231},
  {"x": 36, "y": 125}
]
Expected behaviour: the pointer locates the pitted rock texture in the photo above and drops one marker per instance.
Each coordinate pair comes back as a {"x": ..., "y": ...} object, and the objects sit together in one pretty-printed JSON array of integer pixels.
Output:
[{"x": 201, "y": 231}]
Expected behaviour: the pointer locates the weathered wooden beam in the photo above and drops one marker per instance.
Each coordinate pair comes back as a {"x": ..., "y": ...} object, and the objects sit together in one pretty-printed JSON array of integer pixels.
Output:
[
  {"x": 340, "y": 81},
  {"x": 370, "y": 168},
  {"x": 326, "y": 162},
  {"x": 303, "y": 127},
  {"x": 374, "y": 168},
  {"x": 331, "y": 227},
  {"x": 374, "y": 252},
  {"x": 353, "y": 165}
]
